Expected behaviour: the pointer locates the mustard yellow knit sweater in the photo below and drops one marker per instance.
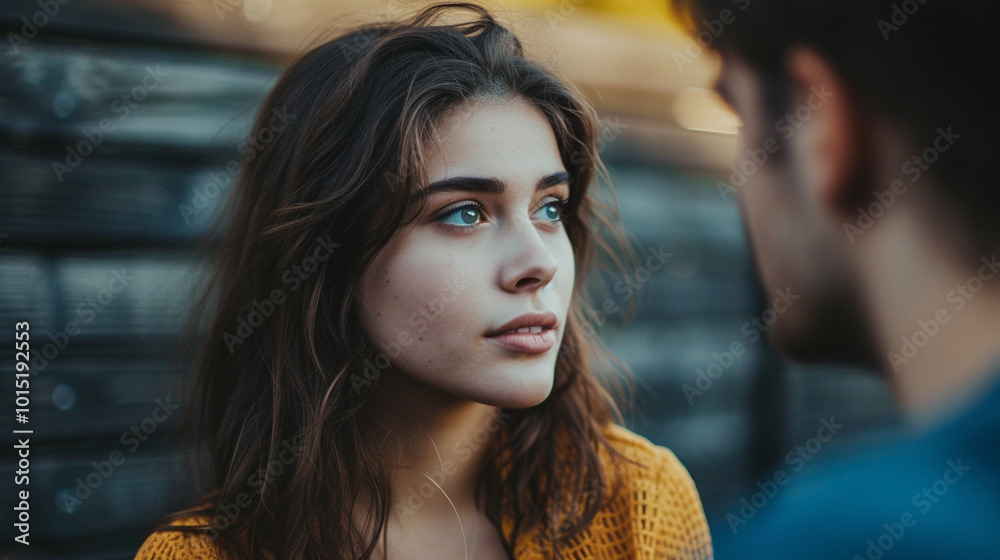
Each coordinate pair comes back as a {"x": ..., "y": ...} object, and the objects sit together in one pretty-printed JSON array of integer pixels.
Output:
[{"x": 656, "y": 515}]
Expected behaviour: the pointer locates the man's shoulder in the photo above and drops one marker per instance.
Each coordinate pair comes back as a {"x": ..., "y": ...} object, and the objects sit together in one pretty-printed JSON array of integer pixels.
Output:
[
  {"x": 180, "y": 540},
  {"x": 924, "y": 497}
]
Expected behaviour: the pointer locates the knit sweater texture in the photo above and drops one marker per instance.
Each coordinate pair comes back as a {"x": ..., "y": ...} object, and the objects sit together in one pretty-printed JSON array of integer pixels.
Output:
[{"x": 656, "y": 515}]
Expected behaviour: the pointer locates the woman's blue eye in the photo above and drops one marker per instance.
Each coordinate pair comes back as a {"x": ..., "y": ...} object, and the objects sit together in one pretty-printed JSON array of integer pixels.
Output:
[
  {"x": 464, "y": 216},
  {"x": 470, "y": 215},
  {"x": 552, "y": 211}
]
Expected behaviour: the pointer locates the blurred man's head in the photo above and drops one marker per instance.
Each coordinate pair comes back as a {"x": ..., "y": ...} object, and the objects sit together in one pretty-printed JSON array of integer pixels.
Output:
[{"x": 868, "y": 125}]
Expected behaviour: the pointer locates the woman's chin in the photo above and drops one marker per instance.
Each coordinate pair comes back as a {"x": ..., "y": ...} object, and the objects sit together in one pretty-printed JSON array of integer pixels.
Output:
[{"x": 523, "y": 392}]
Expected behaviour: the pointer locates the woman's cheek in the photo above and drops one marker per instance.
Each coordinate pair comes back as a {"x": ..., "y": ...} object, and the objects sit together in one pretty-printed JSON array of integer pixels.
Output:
[
  {"x": 436, "y": 290},
  {"x": 566, "y": 274}
]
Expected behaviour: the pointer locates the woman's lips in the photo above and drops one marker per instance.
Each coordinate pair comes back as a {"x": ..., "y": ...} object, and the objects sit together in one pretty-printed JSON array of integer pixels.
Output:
[{"x": 526, "y": 340}]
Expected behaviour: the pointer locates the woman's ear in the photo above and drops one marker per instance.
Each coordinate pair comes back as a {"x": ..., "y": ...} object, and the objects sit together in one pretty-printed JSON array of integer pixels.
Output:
[{"x": 828, "y": 141}]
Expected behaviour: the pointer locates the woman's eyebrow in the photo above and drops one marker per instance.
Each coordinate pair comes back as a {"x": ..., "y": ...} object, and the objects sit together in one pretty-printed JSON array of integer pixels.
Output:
[{"x": 488, "y": 185}]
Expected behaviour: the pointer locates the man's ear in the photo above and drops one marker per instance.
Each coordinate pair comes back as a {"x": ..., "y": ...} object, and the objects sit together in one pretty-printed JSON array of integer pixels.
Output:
[{"x": 829, "y": 143}]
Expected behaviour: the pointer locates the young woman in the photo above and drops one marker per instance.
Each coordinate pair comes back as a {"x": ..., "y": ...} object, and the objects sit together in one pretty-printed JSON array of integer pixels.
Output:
[{"x": 397, "y": 359}]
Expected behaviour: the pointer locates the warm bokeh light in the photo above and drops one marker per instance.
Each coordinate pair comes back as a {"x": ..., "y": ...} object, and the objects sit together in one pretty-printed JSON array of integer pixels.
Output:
[{"x": 703, "y": 110}]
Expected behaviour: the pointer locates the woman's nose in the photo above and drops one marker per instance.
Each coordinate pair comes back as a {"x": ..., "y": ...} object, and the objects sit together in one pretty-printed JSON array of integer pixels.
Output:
[{"x": 529, "y": 265}]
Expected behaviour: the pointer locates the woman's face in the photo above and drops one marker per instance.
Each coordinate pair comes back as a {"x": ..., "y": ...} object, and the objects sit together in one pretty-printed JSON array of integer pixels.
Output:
[{"x": 488, "y": 249}]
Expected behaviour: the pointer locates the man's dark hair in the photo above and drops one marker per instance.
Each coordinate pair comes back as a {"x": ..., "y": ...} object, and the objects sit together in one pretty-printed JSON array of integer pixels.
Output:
[{"x": 924, "y": 64}]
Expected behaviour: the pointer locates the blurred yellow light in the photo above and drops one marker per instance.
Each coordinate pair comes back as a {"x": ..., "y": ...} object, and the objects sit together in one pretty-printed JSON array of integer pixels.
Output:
[
  {"x": 703, "y": 110},
  {"x": 257, "y": 10},
  {"x": 641, "y": 9}
]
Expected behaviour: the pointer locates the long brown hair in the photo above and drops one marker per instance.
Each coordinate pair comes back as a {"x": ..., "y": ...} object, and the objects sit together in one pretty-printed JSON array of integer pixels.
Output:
[{"x": 327, "y": 180}]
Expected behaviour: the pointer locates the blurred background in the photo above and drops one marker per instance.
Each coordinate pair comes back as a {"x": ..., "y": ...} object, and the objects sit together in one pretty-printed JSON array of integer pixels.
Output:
[{"x": 117, "y": 123}]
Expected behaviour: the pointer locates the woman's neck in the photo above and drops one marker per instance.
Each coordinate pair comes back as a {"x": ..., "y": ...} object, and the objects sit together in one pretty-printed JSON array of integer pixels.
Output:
[{"x": 438, "y": 443}]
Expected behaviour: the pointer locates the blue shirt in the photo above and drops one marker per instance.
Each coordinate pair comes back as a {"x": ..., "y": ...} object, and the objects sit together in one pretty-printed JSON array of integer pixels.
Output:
[{"x": 934, "y": 496}]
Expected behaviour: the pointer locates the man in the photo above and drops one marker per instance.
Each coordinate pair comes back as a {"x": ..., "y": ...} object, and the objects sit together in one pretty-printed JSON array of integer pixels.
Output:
[{"x": 867, "y": 181}]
